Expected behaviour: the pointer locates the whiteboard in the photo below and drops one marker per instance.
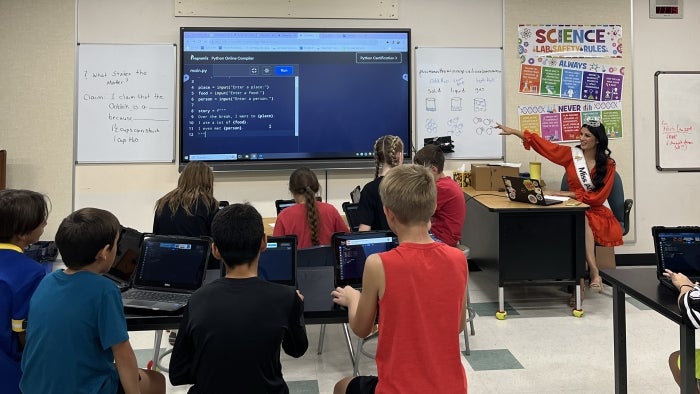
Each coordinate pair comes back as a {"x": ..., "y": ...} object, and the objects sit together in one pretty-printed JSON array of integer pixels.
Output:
[
  {"x": 125, "y": 103},
  {"x": 459, "y": 93},
  {"x": 677, "y": 123}
]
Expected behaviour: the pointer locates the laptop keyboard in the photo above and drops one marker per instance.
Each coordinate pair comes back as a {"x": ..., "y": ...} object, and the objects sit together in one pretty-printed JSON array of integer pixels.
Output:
[{"x": 146, "y": 295}]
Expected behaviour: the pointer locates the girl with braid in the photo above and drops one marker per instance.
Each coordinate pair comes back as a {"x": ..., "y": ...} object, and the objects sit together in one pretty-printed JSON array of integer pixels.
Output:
[
  {"x": 313, "y": 222},
  {"x": 388, "y": 153}
]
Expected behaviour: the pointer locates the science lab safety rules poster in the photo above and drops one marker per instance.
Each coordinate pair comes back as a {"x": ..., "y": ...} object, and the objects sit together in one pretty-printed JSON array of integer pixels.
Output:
[{"x": 570, "y": 40}]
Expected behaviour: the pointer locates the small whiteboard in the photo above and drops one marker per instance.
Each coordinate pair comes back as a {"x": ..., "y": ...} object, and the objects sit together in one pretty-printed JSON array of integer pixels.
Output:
[
  {"x": 126, "y": 103},
  {"x": 459, "y": 93},
  {"x": 677, "y": 121}
]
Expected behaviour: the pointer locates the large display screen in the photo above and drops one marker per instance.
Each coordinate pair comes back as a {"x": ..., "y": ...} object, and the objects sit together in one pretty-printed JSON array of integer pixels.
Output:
[{"x": 280, "y": 98}]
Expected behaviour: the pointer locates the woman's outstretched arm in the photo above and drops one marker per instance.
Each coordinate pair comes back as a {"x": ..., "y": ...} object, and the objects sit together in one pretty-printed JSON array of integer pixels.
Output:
[{"x": 505, "y": 130}]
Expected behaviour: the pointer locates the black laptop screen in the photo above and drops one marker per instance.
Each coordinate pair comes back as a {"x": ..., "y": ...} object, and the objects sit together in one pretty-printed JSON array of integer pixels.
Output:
[
  {"x": 126, "y": 259},
  {"x": 351, "y": 252},
  {"x": 277, "y": 263},
  {"x": 679, "y": 251},
  {"x": 177, "y": 264}
]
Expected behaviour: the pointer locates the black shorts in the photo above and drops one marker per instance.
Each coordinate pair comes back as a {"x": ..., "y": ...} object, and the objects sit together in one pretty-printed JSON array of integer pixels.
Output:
[{"x": 362, "y": 385}]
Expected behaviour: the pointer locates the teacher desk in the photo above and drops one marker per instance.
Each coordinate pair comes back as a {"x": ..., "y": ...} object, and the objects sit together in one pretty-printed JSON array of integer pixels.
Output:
[{"x": 530, "y": 244}]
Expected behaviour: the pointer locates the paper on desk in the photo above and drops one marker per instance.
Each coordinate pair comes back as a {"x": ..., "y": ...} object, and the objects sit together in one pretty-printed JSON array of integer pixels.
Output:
[
  {"x": 515, "y": 165},
  {"x": 558, "y": 198}
]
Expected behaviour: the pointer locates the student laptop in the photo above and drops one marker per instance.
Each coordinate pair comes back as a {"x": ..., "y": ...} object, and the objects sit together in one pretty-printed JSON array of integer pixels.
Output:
[
  {"x": 278, "y": 263},
  {"x": 169, "y": 270},
  {"x": 526, "y": 190},
  {"x": 315, "y": 279},
  {"x": 351, "y": 251},
  {"x": 677, "y": 249},
  {"x": 282, "y": 204},
  {"x": 124, "y": 266}
]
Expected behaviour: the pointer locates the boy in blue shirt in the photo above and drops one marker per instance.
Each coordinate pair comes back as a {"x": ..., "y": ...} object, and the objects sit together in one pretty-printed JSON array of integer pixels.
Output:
[
  {"x": 23, "y": 216},
  {"x": 76, "y": 339}
]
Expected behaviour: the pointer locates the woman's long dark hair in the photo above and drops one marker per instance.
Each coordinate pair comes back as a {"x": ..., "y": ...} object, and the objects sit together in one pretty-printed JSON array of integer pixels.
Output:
[{"x": 602, "y": 153}]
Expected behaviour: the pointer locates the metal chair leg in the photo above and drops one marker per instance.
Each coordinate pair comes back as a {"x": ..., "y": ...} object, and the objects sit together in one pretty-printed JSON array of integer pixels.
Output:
[
  {"x": 321, "y": 337},
  {"x": 470, "y": 315},
  {"x": 360, "y": 350},
  {"x": 348, "y": 342},
  {"x": 469, "y": 318},
  {"x": 356, "y": 361}
]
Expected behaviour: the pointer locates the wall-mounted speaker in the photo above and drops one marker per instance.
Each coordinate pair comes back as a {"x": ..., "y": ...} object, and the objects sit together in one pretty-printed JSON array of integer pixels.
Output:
[{"x": 666, "y": 9}]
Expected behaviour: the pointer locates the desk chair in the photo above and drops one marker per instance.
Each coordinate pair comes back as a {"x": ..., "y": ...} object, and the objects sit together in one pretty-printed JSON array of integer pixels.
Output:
[
  {"x": 355, "y": 194},
  {"x": 350, "y": 210},
  {"x": 470, "y": 315}
]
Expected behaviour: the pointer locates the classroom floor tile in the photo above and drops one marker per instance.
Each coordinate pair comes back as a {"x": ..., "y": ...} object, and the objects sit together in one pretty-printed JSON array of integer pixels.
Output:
[{"x": 488, "y": 360}]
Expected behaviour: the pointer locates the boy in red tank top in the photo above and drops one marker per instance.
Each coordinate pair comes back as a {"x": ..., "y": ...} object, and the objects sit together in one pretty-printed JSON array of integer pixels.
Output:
[{"x": 420, "y": 288}]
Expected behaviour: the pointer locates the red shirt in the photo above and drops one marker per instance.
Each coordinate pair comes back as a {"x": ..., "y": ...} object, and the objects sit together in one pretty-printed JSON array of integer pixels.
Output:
[
  {"x": 448, "y": 219},
  {"x": 420, "y": 314},
  {"x": 292, "y": 221}
]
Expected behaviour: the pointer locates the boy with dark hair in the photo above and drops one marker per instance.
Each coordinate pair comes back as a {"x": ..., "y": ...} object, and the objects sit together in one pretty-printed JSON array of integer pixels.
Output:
[
  {"x": 77, "y": 340},
  {"x": 23, "y": 216},
  {"x": 230, "y": 335},
  {"x": 420, "y": 288},
  {"x": 448, "y": 219}
]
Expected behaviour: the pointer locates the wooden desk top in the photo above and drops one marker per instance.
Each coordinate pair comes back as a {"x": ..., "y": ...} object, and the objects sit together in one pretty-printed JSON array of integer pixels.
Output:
[
  {"x": 269, "y": 224},
  {"x": 494, "y": 200}
]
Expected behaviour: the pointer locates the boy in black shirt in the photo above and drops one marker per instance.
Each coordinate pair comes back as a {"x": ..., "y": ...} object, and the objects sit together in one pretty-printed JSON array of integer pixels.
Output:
[{"x": 230, "y": 334}]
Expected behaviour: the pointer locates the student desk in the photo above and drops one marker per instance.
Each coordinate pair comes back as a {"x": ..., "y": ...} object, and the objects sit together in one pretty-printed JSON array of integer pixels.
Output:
[
  {"x": 530, "y": 244},
  {"x": 642, "y": 285}
]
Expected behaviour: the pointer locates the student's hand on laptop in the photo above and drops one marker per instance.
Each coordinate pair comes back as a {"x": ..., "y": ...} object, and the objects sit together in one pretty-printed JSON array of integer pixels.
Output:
[
  {"x": 300, "y": 295},
  {"x": 344, "y": 296},
  {"x": 678, "y": 279}
]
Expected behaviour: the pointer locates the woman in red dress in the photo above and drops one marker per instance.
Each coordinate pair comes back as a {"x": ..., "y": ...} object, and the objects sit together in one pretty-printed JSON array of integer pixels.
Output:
[{"x": 590, "y": 174}]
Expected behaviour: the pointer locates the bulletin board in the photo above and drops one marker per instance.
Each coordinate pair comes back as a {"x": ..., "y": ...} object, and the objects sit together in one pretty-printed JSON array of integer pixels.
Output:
[
  {"x": 677, "y": 123},
  {"x": 459, "y": 93},
  {"x": 125, "y": 103}
]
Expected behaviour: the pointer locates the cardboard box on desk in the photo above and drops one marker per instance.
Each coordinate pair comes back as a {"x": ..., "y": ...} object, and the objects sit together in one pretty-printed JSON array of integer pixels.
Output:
[{"x": 488, "y": 177}]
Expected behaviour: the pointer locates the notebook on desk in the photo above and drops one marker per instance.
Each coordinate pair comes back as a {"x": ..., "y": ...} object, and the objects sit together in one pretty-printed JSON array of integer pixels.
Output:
[
  {"x": 278, "y": 262},
  {"x": 526, "y": 190},
  {"x": 351, "y": 251},
  {"x": 128, "y": 248},
  {"x": 677, "y": 249},
  {"x": 169, "y": 270}
]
